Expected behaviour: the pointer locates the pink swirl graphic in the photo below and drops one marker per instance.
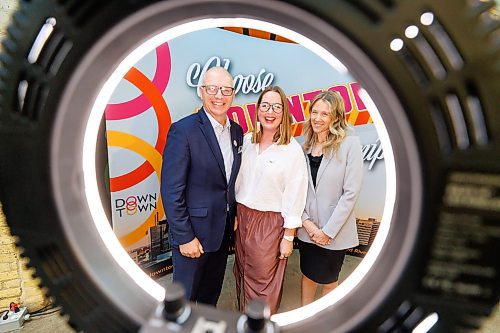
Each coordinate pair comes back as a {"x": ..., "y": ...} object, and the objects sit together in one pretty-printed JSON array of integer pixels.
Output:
[{"x": 141, "y": 103}]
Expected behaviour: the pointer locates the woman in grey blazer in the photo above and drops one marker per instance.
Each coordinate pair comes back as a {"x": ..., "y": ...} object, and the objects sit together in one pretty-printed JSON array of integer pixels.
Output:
[{"x": 335, "y": 166}]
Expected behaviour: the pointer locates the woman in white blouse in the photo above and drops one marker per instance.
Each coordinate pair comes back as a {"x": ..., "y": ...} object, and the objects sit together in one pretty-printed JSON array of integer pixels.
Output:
[{"x": 271, "y": 193}]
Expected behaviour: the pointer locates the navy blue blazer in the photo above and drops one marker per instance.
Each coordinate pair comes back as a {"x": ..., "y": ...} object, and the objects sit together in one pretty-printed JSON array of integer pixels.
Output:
[{"x": 196, "y": 195}]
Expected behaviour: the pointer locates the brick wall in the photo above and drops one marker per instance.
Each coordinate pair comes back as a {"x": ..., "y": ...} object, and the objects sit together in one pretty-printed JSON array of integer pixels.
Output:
[
  {"x": 16, "y": 282},
  {"x": 7, "y": 7}
]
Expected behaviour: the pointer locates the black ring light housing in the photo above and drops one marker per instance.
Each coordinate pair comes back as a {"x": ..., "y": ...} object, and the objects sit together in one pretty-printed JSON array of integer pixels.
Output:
[{"x": 438, "y": 96}]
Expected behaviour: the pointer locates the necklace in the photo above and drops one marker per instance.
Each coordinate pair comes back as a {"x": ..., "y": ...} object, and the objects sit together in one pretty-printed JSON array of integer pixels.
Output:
[
  {"x": 317, "y": 149},
  {"x": 319, "y": 143}
]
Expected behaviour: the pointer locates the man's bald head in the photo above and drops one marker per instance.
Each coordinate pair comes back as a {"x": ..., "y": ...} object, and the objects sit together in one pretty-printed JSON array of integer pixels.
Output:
[{"x": 216, "y": 71}]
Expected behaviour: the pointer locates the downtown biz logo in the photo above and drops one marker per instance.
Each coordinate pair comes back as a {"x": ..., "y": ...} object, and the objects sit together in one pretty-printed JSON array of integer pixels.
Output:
[{"x": 134, "y": 204}]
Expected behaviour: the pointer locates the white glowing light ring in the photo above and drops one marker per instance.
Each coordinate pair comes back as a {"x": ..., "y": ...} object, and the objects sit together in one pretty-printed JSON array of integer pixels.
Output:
[{"x": 92, "y": 192}]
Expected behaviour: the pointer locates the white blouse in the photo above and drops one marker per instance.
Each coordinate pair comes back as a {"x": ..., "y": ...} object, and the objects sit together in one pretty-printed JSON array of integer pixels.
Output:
[{"x": 274, "y": 180}]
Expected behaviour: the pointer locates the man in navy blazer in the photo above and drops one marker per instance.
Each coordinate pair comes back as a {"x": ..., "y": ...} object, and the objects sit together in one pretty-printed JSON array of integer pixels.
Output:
[{"x": 200, "y": 164}]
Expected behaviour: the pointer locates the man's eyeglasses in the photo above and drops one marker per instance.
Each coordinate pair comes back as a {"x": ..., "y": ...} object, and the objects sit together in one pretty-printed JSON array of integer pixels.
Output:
[
  {"x": 212, "y": 90},
  {"x": 265, "y": 106}
]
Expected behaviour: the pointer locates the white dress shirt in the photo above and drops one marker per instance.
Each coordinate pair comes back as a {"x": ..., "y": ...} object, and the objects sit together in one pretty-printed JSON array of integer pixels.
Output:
[
  {"x": 223, "y": 135},
  {"x": 274, "y": 180}
]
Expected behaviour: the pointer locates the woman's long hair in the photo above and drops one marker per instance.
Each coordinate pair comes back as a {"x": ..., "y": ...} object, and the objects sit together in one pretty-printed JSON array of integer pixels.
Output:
[
  {"x": 284, "y": 133},
  {"x": 338, "y": 126}
]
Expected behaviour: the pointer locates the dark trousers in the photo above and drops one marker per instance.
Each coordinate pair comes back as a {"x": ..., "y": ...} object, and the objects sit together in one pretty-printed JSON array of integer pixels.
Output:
[{"x": 202, "y": 277}]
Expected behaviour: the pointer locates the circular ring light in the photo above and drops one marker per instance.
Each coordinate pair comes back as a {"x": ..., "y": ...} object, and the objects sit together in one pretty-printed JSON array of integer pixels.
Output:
[
  {"x": 47, "y": 118},
  {"x": 92, "y": 187}
]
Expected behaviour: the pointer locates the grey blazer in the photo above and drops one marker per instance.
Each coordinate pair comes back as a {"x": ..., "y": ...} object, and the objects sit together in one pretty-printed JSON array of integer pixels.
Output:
[{"x": 331, "y": 204}]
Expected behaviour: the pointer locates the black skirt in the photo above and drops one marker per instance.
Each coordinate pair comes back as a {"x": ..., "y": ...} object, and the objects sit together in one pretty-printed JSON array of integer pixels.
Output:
[{"x": 320, "y": 265}]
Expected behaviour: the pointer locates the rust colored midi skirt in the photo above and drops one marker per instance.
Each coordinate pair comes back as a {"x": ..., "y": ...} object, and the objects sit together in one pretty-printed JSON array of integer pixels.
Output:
[{"x": 258, "y": 271}]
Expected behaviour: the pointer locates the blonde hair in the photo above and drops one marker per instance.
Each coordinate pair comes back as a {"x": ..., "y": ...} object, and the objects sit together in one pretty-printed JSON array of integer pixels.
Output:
[
  {"x": 338, "y": 126},
  {"x": 284, "y": 134}
]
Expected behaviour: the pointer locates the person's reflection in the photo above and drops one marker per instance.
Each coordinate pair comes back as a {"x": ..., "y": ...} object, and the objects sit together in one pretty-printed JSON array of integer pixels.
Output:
[
  {"x": 271, "y": 193},
  {"x": 335, "y": 177},
  {"x": 200, "y": 163}
]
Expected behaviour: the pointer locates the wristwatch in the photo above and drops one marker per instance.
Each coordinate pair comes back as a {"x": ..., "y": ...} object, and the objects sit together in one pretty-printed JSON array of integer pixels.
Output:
[{"x": 288, "y": 238}]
